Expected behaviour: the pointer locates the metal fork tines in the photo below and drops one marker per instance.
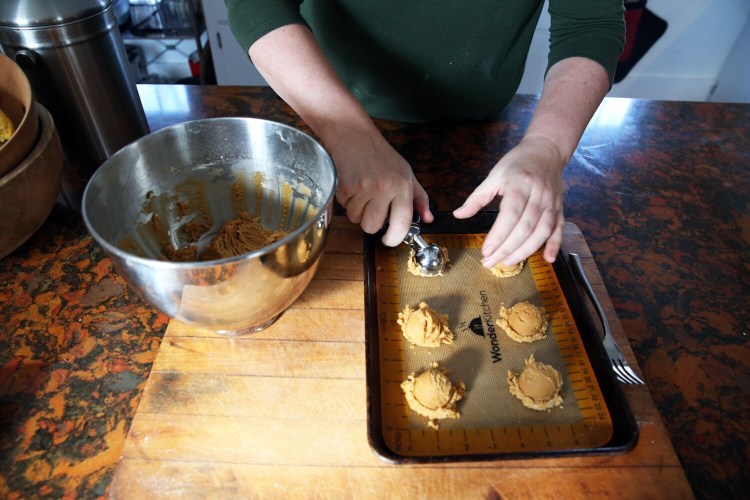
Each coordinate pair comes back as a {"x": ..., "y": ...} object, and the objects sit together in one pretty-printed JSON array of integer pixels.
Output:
[{"x": 622, "y": 369}]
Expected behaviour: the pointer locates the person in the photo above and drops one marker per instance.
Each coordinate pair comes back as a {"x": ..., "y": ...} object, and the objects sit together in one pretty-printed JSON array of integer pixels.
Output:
[{"x": 338, "y": 63}]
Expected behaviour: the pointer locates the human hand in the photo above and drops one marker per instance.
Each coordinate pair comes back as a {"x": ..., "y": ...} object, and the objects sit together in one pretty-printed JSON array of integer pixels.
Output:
[
  {"x": 375, "y": 183},
  {"x": 529, "y": 180}
]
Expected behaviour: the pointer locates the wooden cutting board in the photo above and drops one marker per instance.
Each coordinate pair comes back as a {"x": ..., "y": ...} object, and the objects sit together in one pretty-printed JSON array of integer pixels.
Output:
[{"x": 282, "y": 413}]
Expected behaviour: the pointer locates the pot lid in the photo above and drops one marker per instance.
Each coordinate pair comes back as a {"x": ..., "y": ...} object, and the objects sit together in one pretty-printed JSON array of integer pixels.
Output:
[{"x": 45, "y": 13}]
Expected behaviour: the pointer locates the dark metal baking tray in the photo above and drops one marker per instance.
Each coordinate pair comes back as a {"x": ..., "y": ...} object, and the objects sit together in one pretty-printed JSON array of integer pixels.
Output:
[{"x": 625, "y": 429}]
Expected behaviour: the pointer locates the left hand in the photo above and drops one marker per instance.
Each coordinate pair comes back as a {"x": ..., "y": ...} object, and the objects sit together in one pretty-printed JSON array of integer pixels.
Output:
[{"x": 529, "y": 180}]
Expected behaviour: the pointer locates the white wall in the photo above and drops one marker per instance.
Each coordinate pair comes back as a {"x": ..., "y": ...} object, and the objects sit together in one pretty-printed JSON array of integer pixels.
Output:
[
  {"x": 685, "y": 63},
  {"x": 536, "y": 61},
  {"x": 734, "y": 79}
]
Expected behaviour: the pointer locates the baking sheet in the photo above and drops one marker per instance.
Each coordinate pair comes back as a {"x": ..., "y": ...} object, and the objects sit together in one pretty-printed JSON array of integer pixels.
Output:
[
  {"x": 493, "y": 423},
  {"x": 482, "y": 354}
]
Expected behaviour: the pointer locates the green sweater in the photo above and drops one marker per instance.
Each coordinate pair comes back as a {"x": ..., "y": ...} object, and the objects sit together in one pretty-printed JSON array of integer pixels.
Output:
[{"x": 421, "y": 60}]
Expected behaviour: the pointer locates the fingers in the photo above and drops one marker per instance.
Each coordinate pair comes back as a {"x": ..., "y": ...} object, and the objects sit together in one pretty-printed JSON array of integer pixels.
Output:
[
  {"x": 555, "y": 241},
  {"x": 422, "y": 203},
  {"x": 369, "y": 208},
  {"x": 482, "y": 196},
  {"x": 375, "y": 182},
  {"x": 530, "y": 215},
  {"x": 546, "y": 228},
  {"x": 402, "y": 211},
  {"x": 399, "y": 220},
  {"x": 535, "y": 227},
  {"x": 512, "y": 207},
  {"x": 354, "y": 206},
  {"x": 370, "y": 211}
]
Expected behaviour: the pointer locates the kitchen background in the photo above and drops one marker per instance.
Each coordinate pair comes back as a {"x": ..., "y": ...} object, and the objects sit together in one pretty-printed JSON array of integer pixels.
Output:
[{"x": 692, "y": 50}]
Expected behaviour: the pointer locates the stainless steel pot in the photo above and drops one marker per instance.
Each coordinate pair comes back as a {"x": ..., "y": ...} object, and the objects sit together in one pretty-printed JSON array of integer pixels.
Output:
[{"x": 74, "y": 57}]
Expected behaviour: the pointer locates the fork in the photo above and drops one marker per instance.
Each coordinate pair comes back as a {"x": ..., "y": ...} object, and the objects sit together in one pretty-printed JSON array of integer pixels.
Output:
[{"x": 622, "y": 369}]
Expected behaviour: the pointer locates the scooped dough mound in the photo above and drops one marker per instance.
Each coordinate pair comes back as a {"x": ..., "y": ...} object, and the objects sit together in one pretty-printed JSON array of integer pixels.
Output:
[
  {"x": 537, "y": 386},
  {"x": 425, "y": 327},
  {"x": 433, "y": 395},
  {"x": 502, "y": 271},
  {"x": 417, "y": 270},
  {"x": 524, "y": 322},
  {"x": 240, "y": 235}
]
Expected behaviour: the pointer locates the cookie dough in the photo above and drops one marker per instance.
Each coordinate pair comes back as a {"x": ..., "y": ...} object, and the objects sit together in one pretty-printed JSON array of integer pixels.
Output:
[
  {"x": 524, "y": 322},
  {"x": 502, "y": 271},
  {"x": 416, "y": 269},
  {"x": 537, "y": 386},
  {"x": 240, "y": 235},
  {"x": 191, "y": 232},
  {"x": 425, "y": 327},
  {"x": 433, "y": 395}
]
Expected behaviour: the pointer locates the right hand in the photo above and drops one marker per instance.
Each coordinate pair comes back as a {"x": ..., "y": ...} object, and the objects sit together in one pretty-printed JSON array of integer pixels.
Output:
[{"x": 375, "y": 183}]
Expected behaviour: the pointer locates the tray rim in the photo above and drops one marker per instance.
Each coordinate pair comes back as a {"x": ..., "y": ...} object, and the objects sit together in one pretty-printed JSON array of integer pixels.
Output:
[{"x": 625, "y": 432}]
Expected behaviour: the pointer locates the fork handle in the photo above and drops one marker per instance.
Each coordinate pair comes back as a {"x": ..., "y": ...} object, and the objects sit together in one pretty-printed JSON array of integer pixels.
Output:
[{"x": 581, "y": 274}]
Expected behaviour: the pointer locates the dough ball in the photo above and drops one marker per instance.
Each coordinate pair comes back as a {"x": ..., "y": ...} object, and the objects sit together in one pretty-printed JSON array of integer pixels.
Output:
[
  {"x": 537, "y": 386},
  {"x": 433, "y": 395},
  {"x": 433, "y": 389},
  {"x": 502, "y": 271},
  {"x": 524, "y": 322},
  {"x": 425, "y": 327}
]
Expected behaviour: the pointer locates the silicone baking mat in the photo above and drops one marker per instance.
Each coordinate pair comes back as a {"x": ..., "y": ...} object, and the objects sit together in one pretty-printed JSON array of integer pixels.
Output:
[{"x": 492, "y": 422}]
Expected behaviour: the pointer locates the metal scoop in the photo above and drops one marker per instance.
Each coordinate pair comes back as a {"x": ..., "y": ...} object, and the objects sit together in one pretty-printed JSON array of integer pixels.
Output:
[{"x": 429, "y": 257}]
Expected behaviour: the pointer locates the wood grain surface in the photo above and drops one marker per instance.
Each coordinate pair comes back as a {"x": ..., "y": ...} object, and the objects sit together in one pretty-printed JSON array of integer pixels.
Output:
[{"x": 282, "y": 413}]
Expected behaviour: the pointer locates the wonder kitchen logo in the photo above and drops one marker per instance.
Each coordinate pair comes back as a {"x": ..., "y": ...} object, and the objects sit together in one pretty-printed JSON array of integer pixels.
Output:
[{"x": 483, "y": 326}]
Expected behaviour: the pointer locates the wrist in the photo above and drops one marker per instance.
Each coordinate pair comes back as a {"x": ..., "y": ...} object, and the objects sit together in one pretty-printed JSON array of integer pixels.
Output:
[
  {"x": 347, "y": 134},
  {"x": 556, "y": 152}
]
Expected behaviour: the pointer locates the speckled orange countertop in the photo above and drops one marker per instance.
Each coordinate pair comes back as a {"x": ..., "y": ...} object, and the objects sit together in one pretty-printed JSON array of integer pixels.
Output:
[{"x": 660, "y": 191}]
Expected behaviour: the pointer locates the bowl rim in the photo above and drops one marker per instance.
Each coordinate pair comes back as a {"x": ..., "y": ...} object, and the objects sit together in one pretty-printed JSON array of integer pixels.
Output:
[
  {"x": 168, "y": 264},
  {"x": 46, "y": 131},
  {"x": 30, "y": 112}
]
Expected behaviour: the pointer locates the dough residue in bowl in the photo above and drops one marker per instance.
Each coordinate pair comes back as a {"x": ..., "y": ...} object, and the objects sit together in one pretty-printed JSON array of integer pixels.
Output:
[
  {"x": 240, "y": 235},
  {"x": 183, "y": 227}
]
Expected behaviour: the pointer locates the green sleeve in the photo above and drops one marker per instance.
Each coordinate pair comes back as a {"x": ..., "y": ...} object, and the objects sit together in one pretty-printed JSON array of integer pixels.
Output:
[
  {"x": 251, "y": 19},
  {"x": 594, "y": 29}
]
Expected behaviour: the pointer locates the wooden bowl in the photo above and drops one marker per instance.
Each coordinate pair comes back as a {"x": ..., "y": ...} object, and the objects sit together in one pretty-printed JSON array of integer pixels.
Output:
[
  {"x": 28, "y": 192},
  {"x": 17, "y": 101}
]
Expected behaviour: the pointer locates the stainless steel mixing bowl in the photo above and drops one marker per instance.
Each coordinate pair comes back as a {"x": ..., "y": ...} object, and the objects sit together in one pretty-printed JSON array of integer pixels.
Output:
[{"x": 289, "y": 181}]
